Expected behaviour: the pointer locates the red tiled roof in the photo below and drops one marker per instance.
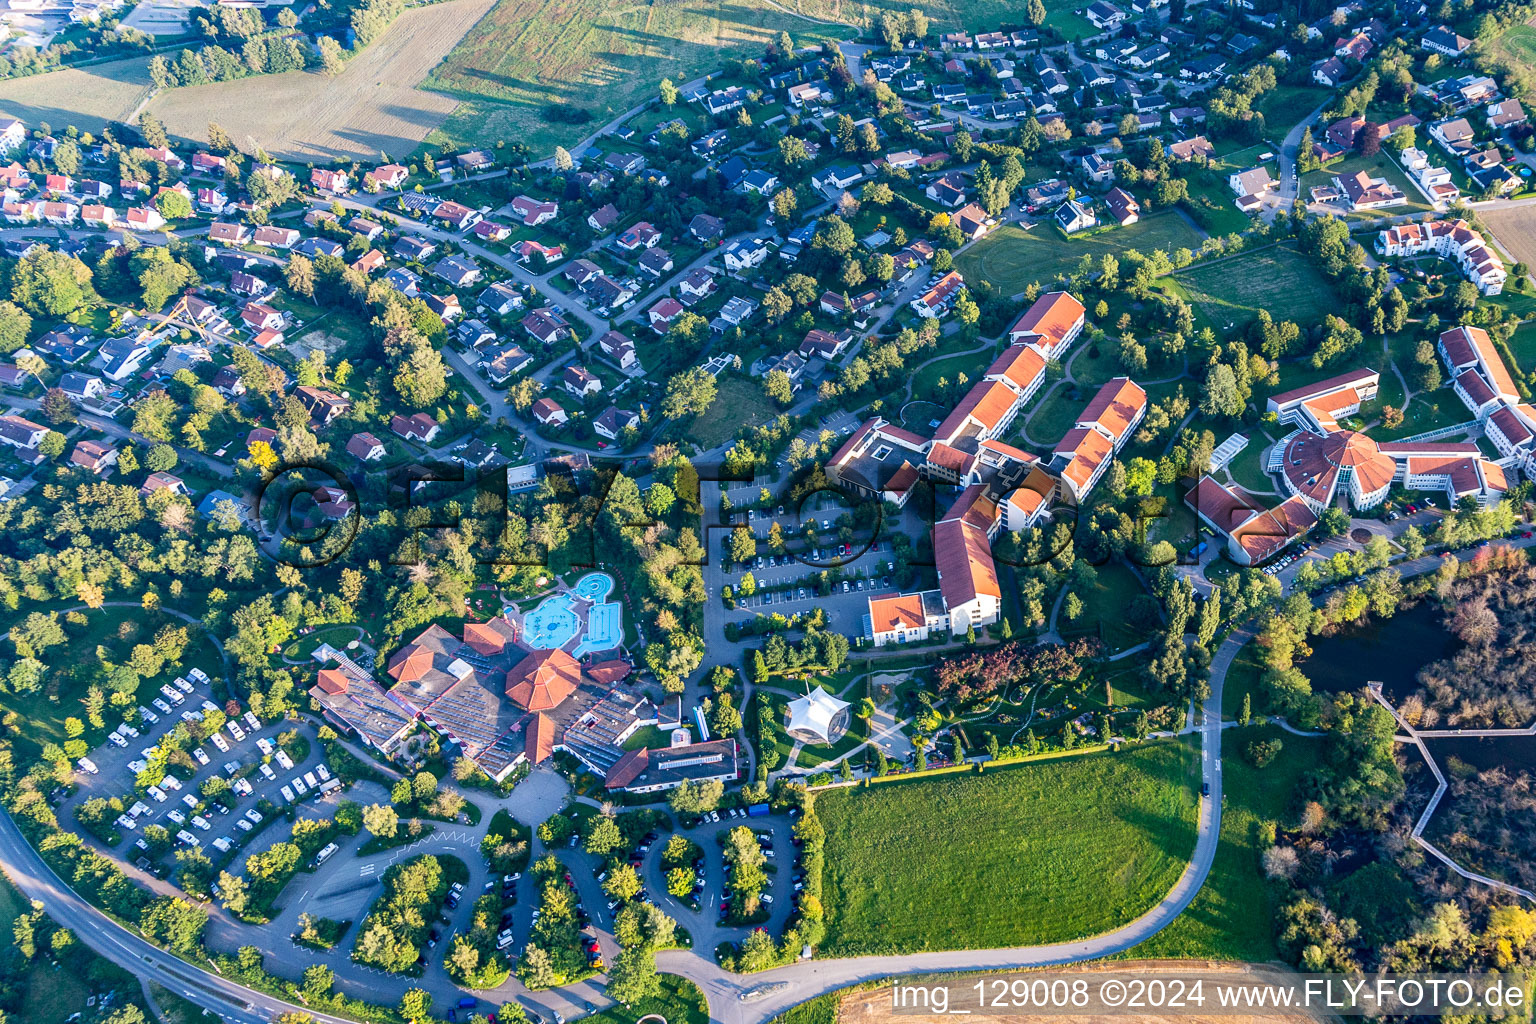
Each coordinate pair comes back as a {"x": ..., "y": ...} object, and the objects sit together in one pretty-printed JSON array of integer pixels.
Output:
[
  {"x": 1051, "y": 317},
  {"x": 332, "y": 680},
  {"x": 484, "y": 638},
  {"x": 895, "y": 611},
  {"x": 543, "y": 680},
  {"x": 410, "y": 663}
]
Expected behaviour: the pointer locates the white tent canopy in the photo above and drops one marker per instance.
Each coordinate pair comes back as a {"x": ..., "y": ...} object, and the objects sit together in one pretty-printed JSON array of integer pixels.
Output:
[{"x": 818, "y": 717}]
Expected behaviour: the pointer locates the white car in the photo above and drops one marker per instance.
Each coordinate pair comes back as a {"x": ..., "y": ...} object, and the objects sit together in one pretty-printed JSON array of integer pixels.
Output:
[
  {"x": 231, "y": 767},
  {"x": 117, "y": 740},
  {"x": 191, "y": 716},
  {"x": 189, "y": 800},
  {"x": 170, "y": 782},
  {"x": 156, "y": 794},
  {"x": 242, "y": 825},
  {"x": 177, "y": 817},
  {"x": 87, "y": 765},
  {"x": 220, "y": 742},
  {"x": 235, "y": 730},
  {"x": 209, "y": 705},
  {"x": 172, "y": 695},
  {"x": 298, "y": 786},
  {"x": 267, "y": 772},
  {"x": 222, "y": 844},
  {"x": 201, "y": 755},
  {"x": 148, "y": 715},
  {"x": 323, "y": 772},
  {"x": 163, "y": 707},
  {"x": 136, "y": 766},
  {"x": 241, "y": 787},
  {"x": 148, "y": 752},
  {"x": 287, "y": 794},
  {"x": 251, "y": 721},
  {"x": 183, "y": 685},
  {"x": 265, "y": 746},
  {"x": 129, "y": 731},
  {"x": 282, "y": 758},
  {"x": 201, "y": 822},
  {"x": 123, "y": 821}
]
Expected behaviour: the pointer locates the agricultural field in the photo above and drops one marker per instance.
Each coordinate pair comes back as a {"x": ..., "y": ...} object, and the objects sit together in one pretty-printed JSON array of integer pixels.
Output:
[
  {"x": 1514, "y": 229},
  {"x": 551, "y": 74},
  {"x": 87, "y": 98},
  {"x": 947, "y": 14},
  {"x": 1012, "y": 258},
  {"x": 1008, "y": 857},
  {"x": 372, "y": 107},
  {"x": 1230, "y": 292}
]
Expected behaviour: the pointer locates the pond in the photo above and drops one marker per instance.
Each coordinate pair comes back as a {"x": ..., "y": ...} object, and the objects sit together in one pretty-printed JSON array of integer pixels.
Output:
[
  {"x": 1390, "y": 651},
  {"x": 1512, "y": 753}
]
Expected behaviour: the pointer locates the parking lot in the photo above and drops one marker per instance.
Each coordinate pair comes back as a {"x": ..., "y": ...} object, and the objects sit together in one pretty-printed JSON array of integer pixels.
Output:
[
  {"x": 244, "y": 751},
  {"x": 787, "y": 583}
]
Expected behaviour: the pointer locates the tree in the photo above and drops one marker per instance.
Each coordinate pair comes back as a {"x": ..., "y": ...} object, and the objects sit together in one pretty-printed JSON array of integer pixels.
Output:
[
  {"x": 668, "y": 92},
  {"x": 563, "y": 161},
  {"x": 1035, "y": 13},
  {"x": 52, "y": 445},
  {"x": 49, "y": 283},
  {"x": 173, "y": 205},
  {"x": 633, "y": 976},
  {"x": 416, "y": 1006},
  {"x": 688, "y": 393},
  {"x": 15, "y": 324},
  {"x": 1220, "y": 396},
  {"x": 57, "y": 408},
  {"x": 381, "y": 820},
  {"x": 622, "y": 883},
  {"x": 778, "y": 386},
  {"x": 233, "y": 893},
  {"x": 422, "y": 378},
  {"x": 161, "y": 459},
  {"x": 603, "y": 837}
]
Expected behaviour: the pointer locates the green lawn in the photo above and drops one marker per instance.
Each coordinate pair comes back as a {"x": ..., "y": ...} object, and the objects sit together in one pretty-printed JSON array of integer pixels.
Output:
[
  {"x": 1520, "y": 44},
  {"x": 1284, "y": 106},
  {"x": 1230, "y": 292},
  {"x": 925, "y": 382},
  {"x": 680, "y": 1002},
  {"x": 1106, "y": 607},
  {"x": 1012, "y": 258},
  {"x": 73, "y": 667},
  {"x": 1431, "y": 411},
  {"x": 1232, "y": 917},
  {"x": 1523, "y": 346},
  {"x": 1047, "y": 851},
  {"x": 550, "y": 74},
  {"x": 1243, "y": 678},
  {"x": 739, "y": 403},
  {"x": 1052, "y": 418}
]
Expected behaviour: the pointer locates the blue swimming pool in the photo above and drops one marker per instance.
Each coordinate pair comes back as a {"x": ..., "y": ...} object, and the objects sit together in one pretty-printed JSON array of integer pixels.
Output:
[
  {"x": 594, "y": 586},
  {"x": 553, "y": 623}
]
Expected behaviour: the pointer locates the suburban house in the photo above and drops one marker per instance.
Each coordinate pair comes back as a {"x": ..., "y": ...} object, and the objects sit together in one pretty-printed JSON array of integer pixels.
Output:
[
  {"x": 1122, "y": 206},
  {"x": 415, "y": 427},
  {"x": 366, "y": 447},
  {"x": 534, "y": 212},
  {"x": 548, "y": 413}
]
